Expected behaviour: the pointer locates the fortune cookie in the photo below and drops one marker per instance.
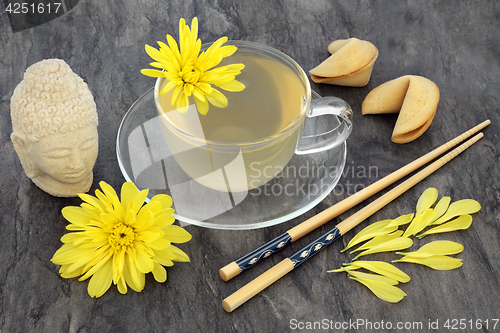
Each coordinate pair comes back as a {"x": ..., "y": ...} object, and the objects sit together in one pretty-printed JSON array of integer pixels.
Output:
[
  {"x": 350, "y": 64},
  {"x": 414, "y": 97}
]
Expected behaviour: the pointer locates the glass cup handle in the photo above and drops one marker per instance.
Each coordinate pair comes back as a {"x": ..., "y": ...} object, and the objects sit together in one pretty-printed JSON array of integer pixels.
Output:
[{"x": 342, "y": 126}]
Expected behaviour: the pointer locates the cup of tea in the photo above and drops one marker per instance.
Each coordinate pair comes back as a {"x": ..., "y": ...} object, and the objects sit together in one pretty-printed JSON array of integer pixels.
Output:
[{"x": 248, "y": 143}]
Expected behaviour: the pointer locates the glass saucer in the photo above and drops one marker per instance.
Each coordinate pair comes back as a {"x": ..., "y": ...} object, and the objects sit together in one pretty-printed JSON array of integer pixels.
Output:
[{"x": 145, "y": 160}]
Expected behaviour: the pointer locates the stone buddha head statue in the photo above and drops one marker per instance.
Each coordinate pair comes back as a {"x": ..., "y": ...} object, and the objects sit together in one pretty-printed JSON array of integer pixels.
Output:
[{"x": 54, "y": 128}]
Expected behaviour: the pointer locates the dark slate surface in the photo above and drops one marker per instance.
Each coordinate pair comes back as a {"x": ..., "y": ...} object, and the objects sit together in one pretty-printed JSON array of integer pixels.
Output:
[{"x": 455, "y": 44}]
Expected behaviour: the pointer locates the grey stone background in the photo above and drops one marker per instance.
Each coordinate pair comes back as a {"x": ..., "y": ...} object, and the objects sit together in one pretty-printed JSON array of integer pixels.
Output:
[{"x": 455, "y": 44}]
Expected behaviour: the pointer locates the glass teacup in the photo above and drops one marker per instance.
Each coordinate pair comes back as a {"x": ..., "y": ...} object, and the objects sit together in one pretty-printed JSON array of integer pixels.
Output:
[{"x": 247, "y": 144}]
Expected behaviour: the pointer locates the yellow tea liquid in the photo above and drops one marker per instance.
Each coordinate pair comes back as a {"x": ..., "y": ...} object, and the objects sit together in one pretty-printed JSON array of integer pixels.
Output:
[{"x": 273, "y": 99}]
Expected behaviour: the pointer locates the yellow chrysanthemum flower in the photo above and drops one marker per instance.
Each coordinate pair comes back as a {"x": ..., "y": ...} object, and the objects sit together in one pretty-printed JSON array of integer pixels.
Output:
[
  {"x": 119, "y": 241},
  {"x": 192, "y": 73}
]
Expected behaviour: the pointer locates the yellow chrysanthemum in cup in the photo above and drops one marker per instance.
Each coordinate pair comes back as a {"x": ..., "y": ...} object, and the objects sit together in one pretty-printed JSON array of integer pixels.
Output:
[
  {"x": 119, "y": 241},
  {"x": 192, "y": 73}
]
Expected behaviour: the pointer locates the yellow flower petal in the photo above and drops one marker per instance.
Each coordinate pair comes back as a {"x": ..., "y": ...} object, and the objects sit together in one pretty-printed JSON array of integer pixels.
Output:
[
  {"x": 164, "y": 219},
  {"x": 234, "y": 69},
  {"x": 177, "y": 234},
  {"x": 100, "y": 281},
  {"x": 372, "y": 230},
  {"x": 134, "y": 272},
  {"x": 159, "y": 273},
  {"x": 106, "y": 256},
  {"x": 401, "y": 220},
  {"x": 169, "y": 86},
  {"x": 167, "y": 66},
  {"x": 205, "y": 87},
  {"x": 232, "y": 85},
  {"x": 93, "y": 201},
  {"x": 441, "y": 208},
  {"x": 131, "y": 198},
  {"x": 68, "y": 254},
  {"x": 143, "y": 262},
  {"x": 148, "y": 236},
  {"x": 69, "y": 274},
  {"x": 74, "y": 237},
  {"x": 152, "y": 72},
  {"x": 164, "y": 199},
  {"x": 383, "y": 290},
  {"x": 438, "y": 262},
  {"x": 131, "y": 282},
  {"x": 228, "y": 50},
  {"x": 461, "y": 207},
  {"x": 118, "y": 264},
  {"x": 338, "y": 270},
  {"x": 164, "y": 257},
  {"x": 419, "y": 223},
  {"x": 121, "y": 285},
  {"x": 182, "y": 103},
  {"x": 155, "y": 54},
  {"x": 392, "y": 245},
  {"x": 370, "y": 276},
  {"x": 382, "y": 268},
  {"x": 426, "y": 200},
  {"x": 202, "y": 105},
  {"x": 179, "y": 254},
  {"x": 461, "y": 223},
  {"x": 76, "y": 215},
  {"x": 160, "y": 244},
  {"x": 379, "y": 240},
  {"x": 217, "y": 99},
  {"x": 172, "y": 44},
  {"x": 441, "y": 247}
]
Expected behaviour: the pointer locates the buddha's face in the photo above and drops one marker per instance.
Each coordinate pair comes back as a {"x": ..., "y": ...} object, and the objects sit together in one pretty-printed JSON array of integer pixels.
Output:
[{"x": 67, "y": 158}]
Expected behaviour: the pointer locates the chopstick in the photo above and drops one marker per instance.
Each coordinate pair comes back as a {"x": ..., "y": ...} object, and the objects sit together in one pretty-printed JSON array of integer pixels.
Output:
[
  {"x": 236, "y": 267},
  {"x": 288, "y": 264}
]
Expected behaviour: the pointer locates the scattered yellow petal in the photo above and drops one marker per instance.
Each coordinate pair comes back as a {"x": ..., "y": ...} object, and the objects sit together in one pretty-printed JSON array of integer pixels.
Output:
[
  {"x": 441, "y": 208},
  {"x": 392, "y": 245},
  {"x": 437, "y": 262},
  {"x": 380, "y": 267},
  {"x": 338, "y": 270},
  {"x": 426, "y": 200},
  {"x": 343, "y": 269},
  {"x": 441, "y": 247},
  {"x": 419, "y": 223},
  {"x": 402, "y": 220},
  {"x": 379, "y": 240},
  {"x": 362, "y": 275},
  {"x": 460, "y": 223},
  {"x": 373, "y": 230},
  {"x": 382, "y": 290},
  {"x": 461, "y": 207}
]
